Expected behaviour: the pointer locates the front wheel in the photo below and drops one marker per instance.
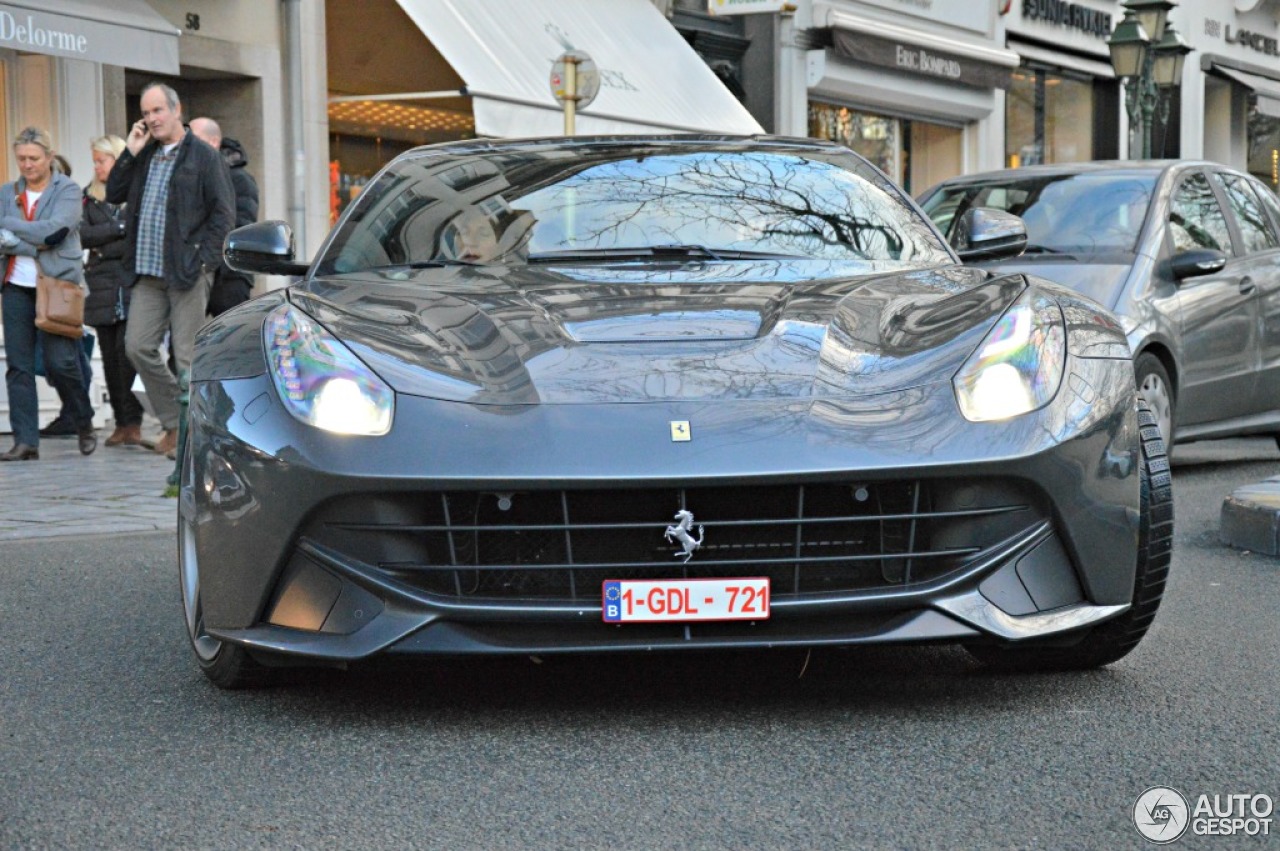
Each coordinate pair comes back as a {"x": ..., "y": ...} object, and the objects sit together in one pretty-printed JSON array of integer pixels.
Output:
[
  {"x": 227, "y": 665},
  {"x": 1114, "y": 639}
]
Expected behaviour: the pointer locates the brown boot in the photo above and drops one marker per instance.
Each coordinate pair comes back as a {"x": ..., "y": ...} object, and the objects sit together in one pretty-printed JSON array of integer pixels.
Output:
[
  {"x": 168, "y": 442},
  {"x": 129, "y": 435}
]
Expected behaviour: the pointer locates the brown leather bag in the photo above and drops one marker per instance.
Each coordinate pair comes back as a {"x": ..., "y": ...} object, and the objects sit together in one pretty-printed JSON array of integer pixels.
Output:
[{"x": 59, "y": 306}]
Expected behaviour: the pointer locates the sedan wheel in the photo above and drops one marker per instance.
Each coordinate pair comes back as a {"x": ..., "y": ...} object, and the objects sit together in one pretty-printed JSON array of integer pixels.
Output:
[{"x": 1154, "y": 387}]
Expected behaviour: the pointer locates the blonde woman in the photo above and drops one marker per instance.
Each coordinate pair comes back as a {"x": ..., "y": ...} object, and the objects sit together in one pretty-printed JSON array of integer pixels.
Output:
[
  {"x": 102, "y": 231},
  {"x": 39, "y": 232}
]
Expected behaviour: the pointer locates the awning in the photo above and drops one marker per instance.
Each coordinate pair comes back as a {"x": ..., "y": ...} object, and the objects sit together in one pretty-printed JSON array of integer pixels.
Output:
[
  {"x": 916, "y": 52},
  {"x": 1071, "y": 61},
  {"x": 1267, "y": 90},
  {"x": 128, "y": 33},
  {"x": 651, "y": 81}
]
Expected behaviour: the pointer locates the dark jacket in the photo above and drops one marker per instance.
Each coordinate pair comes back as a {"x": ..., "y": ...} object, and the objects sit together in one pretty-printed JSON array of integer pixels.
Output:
[
  {"x": 245, "y": 186},
  {"x": 199, "y": 213},
  {"x": 102, "y": 231},
  {"x": 229, "y": 286}
]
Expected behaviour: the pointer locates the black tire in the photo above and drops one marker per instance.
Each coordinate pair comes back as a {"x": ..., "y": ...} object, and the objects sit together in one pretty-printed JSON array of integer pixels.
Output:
[
  {"x": 1113, "y": 639},
  {"x": 233, "y": 668},
  {"x": 1156, "y": 390}
]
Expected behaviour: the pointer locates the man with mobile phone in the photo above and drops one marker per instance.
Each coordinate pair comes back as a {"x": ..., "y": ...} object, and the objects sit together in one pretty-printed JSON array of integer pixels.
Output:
[{"x": 181, "y": 206}]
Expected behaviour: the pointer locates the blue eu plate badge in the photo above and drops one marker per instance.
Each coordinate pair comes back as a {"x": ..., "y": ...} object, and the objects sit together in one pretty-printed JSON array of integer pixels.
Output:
[{"x": 612, "y": 601}]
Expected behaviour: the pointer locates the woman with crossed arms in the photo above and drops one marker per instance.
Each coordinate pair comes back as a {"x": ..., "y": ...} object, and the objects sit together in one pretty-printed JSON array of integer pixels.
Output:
[{"x": 39, "y": 231}]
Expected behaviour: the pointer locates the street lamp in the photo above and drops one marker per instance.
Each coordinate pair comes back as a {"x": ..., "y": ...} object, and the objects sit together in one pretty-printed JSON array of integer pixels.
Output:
[{"x": 1147, "y": 54}]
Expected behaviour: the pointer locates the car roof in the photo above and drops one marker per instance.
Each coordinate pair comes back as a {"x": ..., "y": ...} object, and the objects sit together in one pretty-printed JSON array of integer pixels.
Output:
[{"x": 1093, "y": 167}]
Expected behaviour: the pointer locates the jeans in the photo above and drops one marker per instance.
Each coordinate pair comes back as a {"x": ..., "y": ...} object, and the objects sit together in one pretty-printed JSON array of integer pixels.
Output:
[
  {"x": 61, "y": 360},
  {"x": 156, "y": 308},
  {"x": 86, "y": 372}
]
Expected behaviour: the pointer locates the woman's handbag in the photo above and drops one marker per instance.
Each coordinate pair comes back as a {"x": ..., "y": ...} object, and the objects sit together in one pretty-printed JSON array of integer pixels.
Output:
[{"x": 59, "y": 306}]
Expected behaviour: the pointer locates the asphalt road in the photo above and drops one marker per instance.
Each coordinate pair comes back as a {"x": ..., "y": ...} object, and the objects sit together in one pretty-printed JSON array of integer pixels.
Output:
[{"x": 110, "y": 738}]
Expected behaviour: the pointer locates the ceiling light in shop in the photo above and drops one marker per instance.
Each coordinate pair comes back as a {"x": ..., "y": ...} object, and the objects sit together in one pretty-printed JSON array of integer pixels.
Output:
[{"x": 385, "y": 118}]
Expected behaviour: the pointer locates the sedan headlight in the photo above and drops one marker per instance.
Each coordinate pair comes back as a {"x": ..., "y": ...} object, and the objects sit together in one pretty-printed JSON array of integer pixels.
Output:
[
  {"x": 320, "y": 381},
  {"x": 1018, "y": 367}
]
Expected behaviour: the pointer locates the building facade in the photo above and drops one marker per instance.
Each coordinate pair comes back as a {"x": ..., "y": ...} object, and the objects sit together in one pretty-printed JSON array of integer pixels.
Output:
[
  {"x": 410, "y": 72},
  {"x": 1064, "y": 104},
  {"x": 917, "y": 88},
  {"x": 1231, "y": 84}
]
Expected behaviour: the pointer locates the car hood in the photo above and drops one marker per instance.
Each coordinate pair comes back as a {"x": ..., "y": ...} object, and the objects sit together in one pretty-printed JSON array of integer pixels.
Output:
[
  {"x": 630, "y": 333},
  {"x": 1100, "y": 278}
]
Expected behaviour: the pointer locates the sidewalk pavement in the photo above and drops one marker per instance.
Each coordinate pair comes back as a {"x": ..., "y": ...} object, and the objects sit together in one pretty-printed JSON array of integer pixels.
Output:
[{"x": 114, "y": 490}]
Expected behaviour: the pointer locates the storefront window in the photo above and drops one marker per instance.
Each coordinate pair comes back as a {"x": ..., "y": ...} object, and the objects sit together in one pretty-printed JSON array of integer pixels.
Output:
[
  {"x": 873, "y": 136},
  {"x": 1048, "y": 119},
  {"x": 377, "y": 60},
  {"x": 1264, "y": 146},
  {"x": 916, "y": 154},
  {"x": 366, "y": 135}
]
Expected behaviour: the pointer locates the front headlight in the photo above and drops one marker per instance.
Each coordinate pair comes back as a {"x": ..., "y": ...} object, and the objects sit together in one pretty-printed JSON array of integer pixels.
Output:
[
  {"x": 1018, "y": 367},
  {"x": 320, "y": 381}
]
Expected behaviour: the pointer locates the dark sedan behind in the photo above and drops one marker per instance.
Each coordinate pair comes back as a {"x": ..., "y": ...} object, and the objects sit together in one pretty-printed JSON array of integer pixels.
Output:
[{"x": 1187, "y": 254}]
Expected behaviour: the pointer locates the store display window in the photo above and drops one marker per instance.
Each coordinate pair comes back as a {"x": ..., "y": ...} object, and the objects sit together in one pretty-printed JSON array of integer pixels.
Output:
[
  {"x": 916, "y": 154},
  {"x": 1049, "y": 118}
]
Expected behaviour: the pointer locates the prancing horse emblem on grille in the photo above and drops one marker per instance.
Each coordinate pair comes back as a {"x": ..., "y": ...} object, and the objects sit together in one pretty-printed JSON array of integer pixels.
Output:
[{"x": 680, "y": 532}]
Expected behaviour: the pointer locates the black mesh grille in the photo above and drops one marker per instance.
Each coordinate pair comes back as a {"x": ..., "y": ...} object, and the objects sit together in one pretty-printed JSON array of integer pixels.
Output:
[{"x": 562, "y": 544}]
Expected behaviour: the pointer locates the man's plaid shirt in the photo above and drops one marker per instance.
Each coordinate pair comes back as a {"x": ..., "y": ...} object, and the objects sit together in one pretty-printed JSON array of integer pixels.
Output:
[{"x": 151, "y": 214}]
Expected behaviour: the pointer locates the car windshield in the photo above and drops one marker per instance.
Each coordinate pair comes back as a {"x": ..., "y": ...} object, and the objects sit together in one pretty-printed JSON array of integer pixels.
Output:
[
  {"x": 1086, "y": 213},
  {"x": 620, "y": 203}
]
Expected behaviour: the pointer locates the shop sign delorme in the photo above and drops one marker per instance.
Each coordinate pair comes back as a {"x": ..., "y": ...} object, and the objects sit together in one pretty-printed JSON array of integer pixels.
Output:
[{"x": 25, "y": 34}]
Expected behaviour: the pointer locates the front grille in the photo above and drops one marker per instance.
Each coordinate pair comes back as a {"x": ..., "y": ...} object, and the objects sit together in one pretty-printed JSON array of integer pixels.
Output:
[{"x": 562, "y": 544}]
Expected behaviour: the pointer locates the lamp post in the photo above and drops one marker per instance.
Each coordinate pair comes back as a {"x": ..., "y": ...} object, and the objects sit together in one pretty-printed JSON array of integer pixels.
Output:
[{"x": 1147, "y": 54}]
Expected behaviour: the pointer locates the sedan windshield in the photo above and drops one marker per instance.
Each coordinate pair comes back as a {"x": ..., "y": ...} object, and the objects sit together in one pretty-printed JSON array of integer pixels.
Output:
[
  {"x": 624, "y": 203},
  {"x": 1087, "y": 213}
]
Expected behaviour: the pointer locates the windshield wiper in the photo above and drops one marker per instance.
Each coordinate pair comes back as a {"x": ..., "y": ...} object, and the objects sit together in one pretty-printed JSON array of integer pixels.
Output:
[
  {"x": 645, "y": 252},
  {"x": 1040, "y": 249},
  {"x": 434, "y": 263}
]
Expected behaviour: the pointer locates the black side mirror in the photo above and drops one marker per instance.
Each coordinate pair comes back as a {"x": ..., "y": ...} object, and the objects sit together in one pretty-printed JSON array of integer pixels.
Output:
[
  {"x": 984, "y": 233},
  {"x": 262, "y": 247},
  {"x": 1196, "y": 262}
]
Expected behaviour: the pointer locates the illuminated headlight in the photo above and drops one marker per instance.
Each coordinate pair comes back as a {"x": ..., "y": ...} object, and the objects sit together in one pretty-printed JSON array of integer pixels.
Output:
[
  {"x": 320, "y": 381},
  {"x": 1018, "y": 367}
]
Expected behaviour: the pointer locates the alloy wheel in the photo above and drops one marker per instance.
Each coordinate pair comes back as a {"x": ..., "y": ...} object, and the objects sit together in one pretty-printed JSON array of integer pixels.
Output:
[
  {"x": 206, "y": 646},
  {"x": 1156, "y": 393}
]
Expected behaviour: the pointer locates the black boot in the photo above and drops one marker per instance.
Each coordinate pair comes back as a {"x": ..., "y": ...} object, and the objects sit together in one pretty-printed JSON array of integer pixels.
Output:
[
  {"x": 60, "y": 427},
  {"x": 88, "y": 440},
  {"x": 21, "y": 452}
]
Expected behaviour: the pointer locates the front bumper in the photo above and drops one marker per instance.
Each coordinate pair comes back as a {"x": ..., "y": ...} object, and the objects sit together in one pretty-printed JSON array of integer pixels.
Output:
[{"x": 256, "y": 481}]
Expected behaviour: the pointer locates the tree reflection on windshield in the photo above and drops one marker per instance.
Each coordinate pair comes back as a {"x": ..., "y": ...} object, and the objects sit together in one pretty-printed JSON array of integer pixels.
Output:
[
  {"x": 758, "y": 201},
  {"x": 670, "y": 201}
]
